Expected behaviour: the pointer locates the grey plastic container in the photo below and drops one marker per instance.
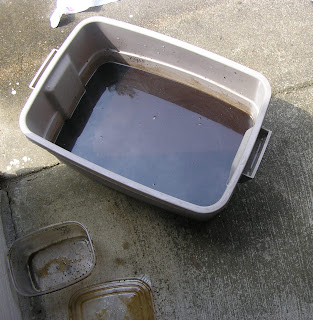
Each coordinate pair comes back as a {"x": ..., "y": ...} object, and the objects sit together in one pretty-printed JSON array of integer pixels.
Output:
[
  {"x": 51, "y": 258},
  {"x": 98, "y": 40}
]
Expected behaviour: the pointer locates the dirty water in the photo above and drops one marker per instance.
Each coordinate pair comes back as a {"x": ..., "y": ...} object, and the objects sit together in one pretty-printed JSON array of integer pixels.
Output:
[{"x": 160, "y": 133}]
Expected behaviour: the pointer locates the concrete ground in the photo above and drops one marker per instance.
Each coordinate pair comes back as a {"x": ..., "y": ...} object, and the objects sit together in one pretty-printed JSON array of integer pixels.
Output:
[{"x": 254, "y": 260}]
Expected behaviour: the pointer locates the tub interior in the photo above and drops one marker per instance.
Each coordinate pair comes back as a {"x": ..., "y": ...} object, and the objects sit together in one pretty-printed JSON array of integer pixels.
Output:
[{"x": 157, "y": 132}]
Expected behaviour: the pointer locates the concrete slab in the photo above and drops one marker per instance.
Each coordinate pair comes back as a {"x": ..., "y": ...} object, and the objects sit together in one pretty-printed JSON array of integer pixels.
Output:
[{"x": 268, "y": 36}]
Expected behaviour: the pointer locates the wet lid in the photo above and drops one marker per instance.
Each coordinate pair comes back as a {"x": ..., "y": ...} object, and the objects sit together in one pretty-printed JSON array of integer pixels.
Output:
[{"x": 129, "y": 299}]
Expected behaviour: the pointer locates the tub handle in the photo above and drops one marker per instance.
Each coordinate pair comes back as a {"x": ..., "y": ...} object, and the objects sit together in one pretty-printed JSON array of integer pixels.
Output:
[
  {"x": 41, "y": 70},
  {"x": 257, "y": 154}
]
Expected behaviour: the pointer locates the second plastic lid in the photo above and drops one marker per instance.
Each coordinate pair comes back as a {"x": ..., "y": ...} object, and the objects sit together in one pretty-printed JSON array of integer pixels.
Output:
[{"x": 129, "y": 299}]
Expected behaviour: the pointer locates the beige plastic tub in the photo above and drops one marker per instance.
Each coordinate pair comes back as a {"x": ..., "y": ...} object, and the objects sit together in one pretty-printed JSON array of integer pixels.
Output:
[{"x": 95, "y": 41}]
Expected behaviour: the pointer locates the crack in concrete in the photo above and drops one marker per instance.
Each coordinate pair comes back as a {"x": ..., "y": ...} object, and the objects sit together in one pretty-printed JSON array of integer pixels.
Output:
[
  {"x": 11, "y": 213},
  {"x": 12, "y": 178},
  {"x": 300, "y": 86},
  {"x": 10, "y": 230}
]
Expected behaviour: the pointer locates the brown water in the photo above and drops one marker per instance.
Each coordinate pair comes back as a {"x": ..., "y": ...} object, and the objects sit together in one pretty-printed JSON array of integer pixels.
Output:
[{"x": 158, "y": 132}]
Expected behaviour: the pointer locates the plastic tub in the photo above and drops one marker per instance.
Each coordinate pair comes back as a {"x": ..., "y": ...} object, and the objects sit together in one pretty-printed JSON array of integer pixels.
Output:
[
  {"x": 51, "y": 258},
  {"x": 97, "y": 41}
]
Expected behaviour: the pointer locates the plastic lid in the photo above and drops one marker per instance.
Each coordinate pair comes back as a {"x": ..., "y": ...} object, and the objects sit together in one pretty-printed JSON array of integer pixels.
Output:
[
  {"x": 51, "y": 258},
  {"x": 129, "y": 299}
]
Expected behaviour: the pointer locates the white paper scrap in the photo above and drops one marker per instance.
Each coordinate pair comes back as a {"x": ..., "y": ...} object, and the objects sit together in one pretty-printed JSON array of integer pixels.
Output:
[{"x": 73, "y": 6}]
